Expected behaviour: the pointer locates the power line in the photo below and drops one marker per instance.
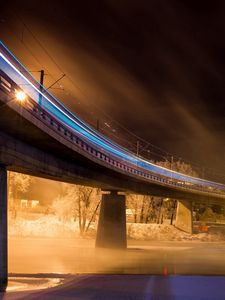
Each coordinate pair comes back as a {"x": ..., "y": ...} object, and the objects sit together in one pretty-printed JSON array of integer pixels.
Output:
[
  {"x": 147, "y": 143},
  {"x": 75, "y": 85},
  {"x": 31, "y": 53}
]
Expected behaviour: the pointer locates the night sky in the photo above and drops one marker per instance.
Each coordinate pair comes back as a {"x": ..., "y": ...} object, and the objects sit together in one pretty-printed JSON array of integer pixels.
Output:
[{"x": 154, "y": 68}]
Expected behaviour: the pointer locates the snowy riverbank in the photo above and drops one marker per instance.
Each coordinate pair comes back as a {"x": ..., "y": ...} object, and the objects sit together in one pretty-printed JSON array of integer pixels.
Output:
[{"x": 51, "y": 226}]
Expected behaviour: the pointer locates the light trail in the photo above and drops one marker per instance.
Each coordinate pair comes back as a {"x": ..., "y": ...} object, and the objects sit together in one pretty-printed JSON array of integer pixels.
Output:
[{"x": 11, "y": 66}]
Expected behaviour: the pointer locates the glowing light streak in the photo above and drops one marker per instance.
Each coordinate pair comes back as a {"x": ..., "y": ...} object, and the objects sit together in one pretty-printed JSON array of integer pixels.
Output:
[
  {"x": 74, "y": 123},
  {"x": 84, "y": 131}
]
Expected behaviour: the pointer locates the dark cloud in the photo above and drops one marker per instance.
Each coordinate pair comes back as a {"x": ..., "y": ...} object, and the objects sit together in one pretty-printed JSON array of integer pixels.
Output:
[{"x": 157, "y": 67}]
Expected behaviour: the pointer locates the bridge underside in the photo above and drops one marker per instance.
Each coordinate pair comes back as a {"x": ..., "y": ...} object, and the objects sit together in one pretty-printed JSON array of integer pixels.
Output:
[
  {"x": 19, "y": 156},
  {"x": 29, "y": 146}
]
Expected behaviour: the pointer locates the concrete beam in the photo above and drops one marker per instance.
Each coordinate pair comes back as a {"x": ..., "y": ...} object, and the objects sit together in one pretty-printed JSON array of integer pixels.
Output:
[
  {"x": 184, "y": 216},
  {"x": 3, "y": 230},
  {"x": 111, "y": 231}
]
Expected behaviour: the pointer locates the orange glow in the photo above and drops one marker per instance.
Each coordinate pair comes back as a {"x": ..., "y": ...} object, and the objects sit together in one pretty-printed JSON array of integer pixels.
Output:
[
  {"x": 165, "y": 271},
  {"x": 20, "y": 96}
]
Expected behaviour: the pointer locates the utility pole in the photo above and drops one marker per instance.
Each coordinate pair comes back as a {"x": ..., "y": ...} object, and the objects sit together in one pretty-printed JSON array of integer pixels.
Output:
[
  {"x": 41, "y": 86},
  {"x": 171, "y": 167},
  {"x": 98, "y": 125},
  {"x": 203, "y": 172},
  {"x": 138, "y": 145},
  {"x": 172, "y": 162}
]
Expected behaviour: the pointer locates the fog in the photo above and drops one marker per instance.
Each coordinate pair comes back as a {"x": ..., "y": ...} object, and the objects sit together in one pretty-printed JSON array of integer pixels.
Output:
[
  {"x": 55, "y": 232},
  {"x": 147, "y": 67}
]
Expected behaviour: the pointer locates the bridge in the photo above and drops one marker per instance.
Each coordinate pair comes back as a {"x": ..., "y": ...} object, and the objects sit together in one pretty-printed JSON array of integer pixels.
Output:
[{"x": 41, "y": 137}]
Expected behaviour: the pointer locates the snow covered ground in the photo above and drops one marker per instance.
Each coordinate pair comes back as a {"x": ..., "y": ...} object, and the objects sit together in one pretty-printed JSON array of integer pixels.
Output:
[
  {"x": 163, "y": 232},
  {"x": 51, "y": 226},
  {"x": 45, "y": 226}
]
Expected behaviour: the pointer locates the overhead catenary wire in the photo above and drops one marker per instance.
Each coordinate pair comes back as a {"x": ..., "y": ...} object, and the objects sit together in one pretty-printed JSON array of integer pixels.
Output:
[
  {"x": 147, "y": 144},
  {"x": 32, "y": 54}
]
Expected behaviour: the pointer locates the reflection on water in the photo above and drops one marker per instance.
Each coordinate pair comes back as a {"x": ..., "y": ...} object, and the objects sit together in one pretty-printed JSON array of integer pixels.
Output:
[{"x": 72, "y": 256}]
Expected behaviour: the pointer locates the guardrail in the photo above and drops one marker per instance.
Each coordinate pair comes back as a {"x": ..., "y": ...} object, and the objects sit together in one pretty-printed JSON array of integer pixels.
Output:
[
  {"x": 12, "y": 77},
  {"x": 40, "y": 113}
]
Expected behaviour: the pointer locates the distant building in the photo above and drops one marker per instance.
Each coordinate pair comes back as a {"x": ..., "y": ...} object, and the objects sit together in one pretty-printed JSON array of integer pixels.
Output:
[
  {"x": 130, "y": 214},
  {"x": 25, "y": 203}
]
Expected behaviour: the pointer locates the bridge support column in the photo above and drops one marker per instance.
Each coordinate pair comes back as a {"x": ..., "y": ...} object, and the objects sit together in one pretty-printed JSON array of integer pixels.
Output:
[
  {"x": 111, "y": 231},
  {"x": 184, "y": 219},
  {"x": 3, "y": 230}
]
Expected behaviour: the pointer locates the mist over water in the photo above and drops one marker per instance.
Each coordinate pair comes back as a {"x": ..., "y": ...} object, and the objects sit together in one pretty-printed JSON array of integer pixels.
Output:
[
  {"x": 55, "y": 233},
  {"x": 75, "y": 256}
]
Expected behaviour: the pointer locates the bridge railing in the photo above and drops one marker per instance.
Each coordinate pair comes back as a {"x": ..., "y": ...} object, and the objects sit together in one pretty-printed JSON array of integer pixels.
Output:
[
  {"x": 70, "y": 136},
  {"x": 46, "y": 108}
]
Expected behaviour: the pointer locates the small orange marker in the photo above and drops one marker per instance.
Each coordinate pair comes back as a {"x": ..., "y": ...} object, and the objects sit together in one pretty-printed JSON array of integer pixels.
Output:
[{"x": 165, "y": 271}]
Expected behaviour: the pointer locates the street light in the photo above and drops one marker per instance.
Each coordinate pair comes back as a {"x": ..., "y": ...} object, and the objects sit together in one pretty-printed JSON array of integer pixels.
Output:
[{"x": 20, "y": 96}]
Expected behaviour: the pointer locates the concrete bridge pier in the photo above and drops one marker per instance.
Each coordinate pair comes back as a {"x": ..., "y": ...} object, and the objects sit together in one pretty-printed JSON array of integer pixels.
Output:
[
  {"x": 184, "y": 216},
  {"x": 111, "y": 231},
  {"x": 3, "y": 230}
]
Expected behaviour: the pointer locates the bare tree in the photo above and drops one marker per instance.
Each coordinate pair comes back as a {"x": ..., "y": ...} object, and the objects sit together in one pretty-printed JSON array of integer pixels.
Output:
[
  {"x": 178, "y": 166},
  {"x": 18, "y": 184},
  {"x": 134, "y": 202},
  {"x": 145, "y": 208},
  {"x": 78, "y": 202}
]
